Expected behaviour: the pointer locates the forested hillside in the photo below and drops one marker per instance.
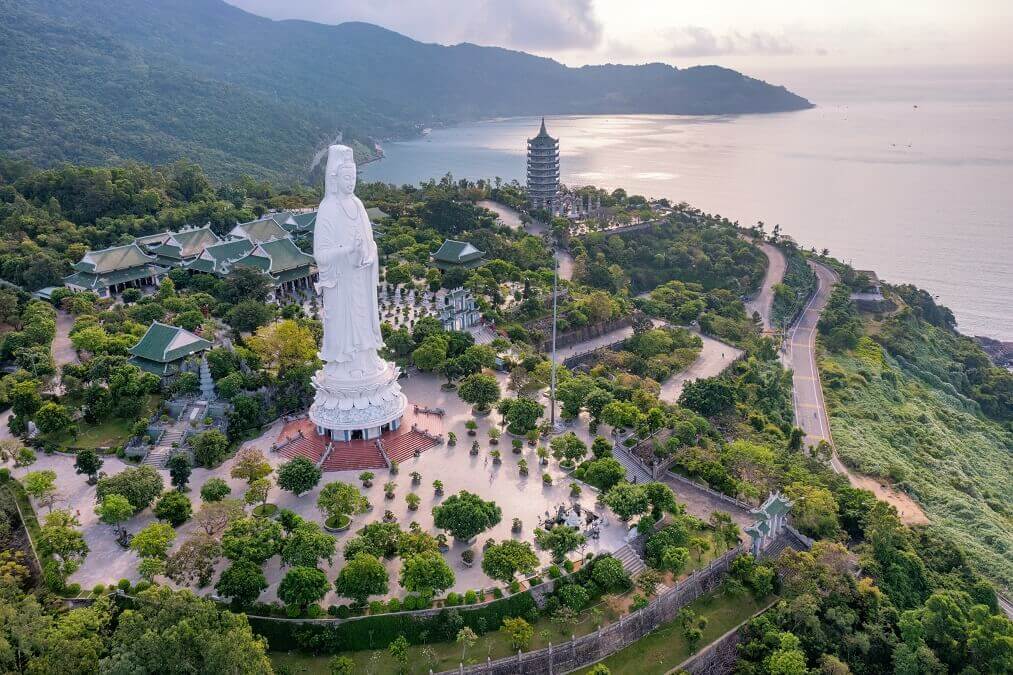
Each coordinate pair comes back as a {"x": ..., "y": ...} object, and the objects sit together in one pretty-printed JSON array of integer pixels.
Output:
[{"x": 92, "y": 81}]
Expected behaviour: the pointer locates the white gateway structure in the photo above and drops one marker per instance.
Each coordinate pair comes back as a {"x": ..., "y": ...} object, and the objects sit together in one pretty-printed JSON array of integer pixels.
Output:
[{"x": 357, "y": 393}]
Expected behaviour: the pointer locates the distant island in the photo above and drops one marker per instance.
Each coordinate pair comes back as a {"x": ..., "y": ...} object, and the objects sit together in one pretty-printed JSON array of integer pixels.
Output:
[{"x": 99, "y": 82}]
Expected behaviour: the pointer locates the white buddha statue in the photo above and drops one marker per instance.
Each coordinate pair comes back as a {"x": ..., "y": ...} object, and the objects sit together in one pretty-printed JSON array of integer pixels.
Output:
[
  {"x": 348, "y": 270},
  {"x": 356, "y": 390}
]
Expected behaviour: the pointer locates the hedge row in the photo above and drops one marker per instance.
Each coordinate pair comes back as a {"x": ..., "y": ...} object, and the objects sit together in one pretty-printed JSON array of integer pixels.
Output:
[{"x": 377, "y": 632}]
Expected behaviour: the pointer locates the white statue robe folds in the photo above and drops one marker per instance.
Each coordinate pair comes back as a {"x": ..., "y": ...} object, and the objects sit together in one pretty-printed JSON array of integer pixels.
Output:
[{"x": 348, "y": 269}]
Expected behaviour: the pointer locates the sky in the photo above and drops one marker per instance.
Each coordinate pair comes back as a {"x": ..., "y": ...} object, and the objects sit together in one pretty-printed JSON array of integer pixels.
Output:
[{"x": 749, "y": 35}]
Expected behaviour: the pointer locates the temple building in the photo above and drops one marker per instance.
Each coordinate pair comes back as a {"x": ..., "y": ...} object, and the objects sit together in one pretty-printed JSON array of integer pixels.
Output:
[
  {"x": 458, "y": 311},
  {"x": 257, "y": 231},
  {"x": 178, "y": 248},
  {"x": 112, "y": 270},
  {"x": 218, "y": 259},
  {"x": 543, "y": 170},
  {"x": 289, "y": 268},
  {"x": 163, "y": 349},
  {"x": 453, "y": 253}
]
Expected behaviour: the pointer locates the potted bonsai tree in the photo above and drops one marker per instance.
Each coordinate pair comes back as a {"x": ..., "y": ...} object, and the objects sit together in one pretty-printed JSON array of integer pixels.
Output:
[
  {"x": 575, "y": 490},
  {"x": 413, "y": 501},
  {"x": 388, "y": 489},
  {"x": 517, "y": 445},
  {"x": 438, "y": 487},
  {"x": 543, "y": 456},
  {"x": 522, "y": 466},
  {"x": 472, "y": 427},
  {"x": 516, "y": 526},
  {"x": 441, "y": 543},
  {"x": 394, "y": 468},
  {"x": 495, "y": 457},
  {"x": 494, "y": 435},
  {"x": 388, "y": 516},
  {"x": 546, "y": 479},
  {"x": 451, "y": 438},
  {"x": 474, "y": 448},
  {"x": 416, "y": 478},
  {"x": 468, "y": 557},
  {"x": 532, "y": 437}
]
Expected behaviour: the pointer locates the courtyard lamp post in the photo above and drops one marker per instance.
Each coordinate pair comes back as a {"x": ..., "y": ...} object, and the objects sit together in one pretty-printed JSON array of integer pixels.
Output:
[{"x": 552, "y": 383}]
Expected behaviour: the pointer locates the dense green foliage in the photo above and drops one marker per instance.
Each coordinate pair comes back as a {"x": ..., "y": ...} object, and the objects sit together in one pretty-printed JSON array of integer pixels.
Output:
[
  {"x": 795, "y": 289},
  {"x": 888, "y": 422},
  {"x": 688, "y": 247}
]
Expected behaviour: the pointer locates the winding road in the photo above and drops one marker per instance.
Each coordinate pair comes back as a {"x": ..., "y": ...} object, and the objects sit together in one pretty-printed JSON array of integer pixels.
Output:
[
  {"x": 810, "y": 407},
  {"x": 764, "y": 300}
]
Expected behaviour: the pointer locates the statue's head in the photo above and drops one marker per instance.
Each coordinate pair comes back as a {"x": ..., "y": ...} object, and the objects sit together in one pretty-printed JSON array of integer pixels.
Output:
[{"x": 340, "y": 174}]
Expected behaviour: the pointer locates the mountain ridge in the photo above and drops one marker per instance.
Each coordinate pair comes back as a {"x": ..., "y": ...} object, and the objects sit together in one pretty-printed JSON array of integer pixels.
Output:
[{"x": 159, "y": 80}]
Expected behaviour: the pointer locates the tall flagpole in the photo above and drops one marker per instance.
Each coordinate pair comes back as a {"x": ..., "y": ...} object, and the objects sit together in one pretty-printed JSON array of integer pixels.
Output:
[{"x": 555, "y": 294}]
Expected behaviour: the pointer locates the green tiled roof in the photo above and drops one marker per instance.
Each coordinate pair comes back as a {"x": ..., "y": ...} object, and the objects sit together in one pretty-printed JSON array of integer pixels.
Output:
[
  {"x": 284, "y": 255},
  {"x": 152, "y": 239},
  {"x": 292, "y": 274},
  {"x": 163, "y": 343},
  {"x": 375, "y": 213},
  {"x": 218, "y": 259},
  {"x": 259, "y": 231},
  {"x": 185, "y": 244},
  {"x": 96, "y": 281},
  {"x": 113, "y": 259},
  {"x": 457, "y": 252}
]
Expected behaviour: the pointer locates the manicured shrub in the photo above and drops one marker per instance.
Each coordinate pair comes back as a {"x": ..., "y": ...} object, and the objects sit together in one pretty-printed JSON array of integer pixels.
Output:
[{"x": 470, "y": 597}]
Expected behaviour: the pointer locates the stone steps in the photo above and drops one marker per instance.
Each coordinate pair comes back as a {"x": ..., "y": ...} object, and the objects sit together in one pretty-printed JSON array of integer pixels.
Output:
[
  {"x": 635, "y": 472},
  {"x": 403, "y": 447},
  {"x": 632, "y": 563}
]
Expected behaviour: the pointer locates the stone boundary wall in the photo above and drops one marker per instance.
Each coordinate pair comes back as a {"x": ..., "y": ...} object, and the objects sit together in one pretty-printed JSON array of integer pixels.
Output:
[
  {"x": 738, "y": 503},
  {"x": 593, "y": 647}
]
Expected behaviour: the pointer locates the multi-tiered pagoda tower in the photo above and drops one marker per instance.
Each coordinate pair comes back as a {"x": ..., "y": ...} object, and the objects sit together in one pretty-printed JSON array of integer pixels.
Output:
[{"x": 543, "y": 170}]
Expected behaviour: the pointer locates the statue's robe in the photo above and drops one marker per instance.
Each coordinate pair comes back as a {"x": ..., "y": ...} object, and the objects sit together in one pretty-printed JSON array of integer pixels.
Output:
[{"x": 348, "y": 268}]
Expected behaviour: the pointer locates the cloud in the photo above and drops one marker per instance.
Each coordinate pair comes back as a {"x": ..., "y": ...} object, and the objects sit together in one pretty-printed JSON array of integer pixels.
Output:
[
  {"x": 689, "y": 41},
  {"x": 519, "y": 24}
]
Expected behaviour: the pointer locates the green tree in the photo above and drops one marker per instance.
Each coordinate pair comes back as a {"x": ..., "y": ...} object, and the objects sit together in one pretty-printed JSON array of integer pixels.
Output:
[
  {"x": 179, "y": 471},
  {"x": 431, "y": 353},
  {"x": 248, "y": 315},
  {"x": 149, "y": 636},
  {"x": 560, "y": 540},
  {"x": 521, "y": 414},
  {"x": 298, "y": 475},
  {"x": 209, "y": 447},
  {"x": 153, "y": 541},
  {"x": 114, "y": 510},
  {"x": 479, "y": 390},
  {"x": 303, "y": 585},
  {"x": 465, "y": 515},
  {"x": 341, "y": 665},
  {"x": 243, "y": 581},
  {"x": 214, "y": 490},
  {"x": 362, "y": 576},
  {"x": 398, "y": 649},
  {"x": 503, "y": 561},
  {"x": 41, "y": 485},
  {"x": 426, "y": 572},
  {"x": 339, "y": 499},
  {"x": 788, "y": 659},
  {"x": 627, "y": 500},
  {"x": 139, "y": 485},
  {"x": 518, "y": 631},
  {"x": 306, "y": 545},
  {"x": 173, "y": 507},
  {"x": 708, "y": 396},
  {"x": 52, "y": 418},
  {"x": 609, "y": 574},
  {"x": 251, "y": 465},
  {"x": 253, "y": 539},
  {"x": 88, "y": 463},
  {"x": 59, "y": 538}
]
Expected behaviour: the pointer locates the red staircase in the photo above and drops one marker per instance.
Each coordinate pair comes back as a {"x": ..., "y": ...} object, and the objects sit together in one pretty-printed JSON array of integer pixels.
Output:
[
  {"x": 416, "y": 434},
  {"x": 354, "y": 456},
  {"x": 404, "y": 446}
]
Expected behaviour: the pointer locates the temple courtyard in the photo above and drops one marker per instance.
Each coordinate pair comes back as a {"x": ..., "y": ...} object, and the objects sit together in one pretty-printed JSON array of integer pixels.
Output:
[{"x": 523, "y": 497}]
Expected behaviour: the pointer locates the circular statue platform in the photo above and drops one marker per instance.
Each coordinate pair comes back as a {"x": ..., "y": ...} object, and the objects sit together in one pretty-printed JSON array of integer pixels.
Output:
[{"x": 418, "y": 432}]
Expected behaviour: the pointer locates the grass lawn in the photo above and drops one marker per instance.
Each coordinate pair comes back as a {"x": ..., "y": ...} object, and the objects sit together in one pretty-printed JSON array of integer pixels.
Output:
[
  {"x": 108, "y": 434},
  {"x": 665, "y": 648}
]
